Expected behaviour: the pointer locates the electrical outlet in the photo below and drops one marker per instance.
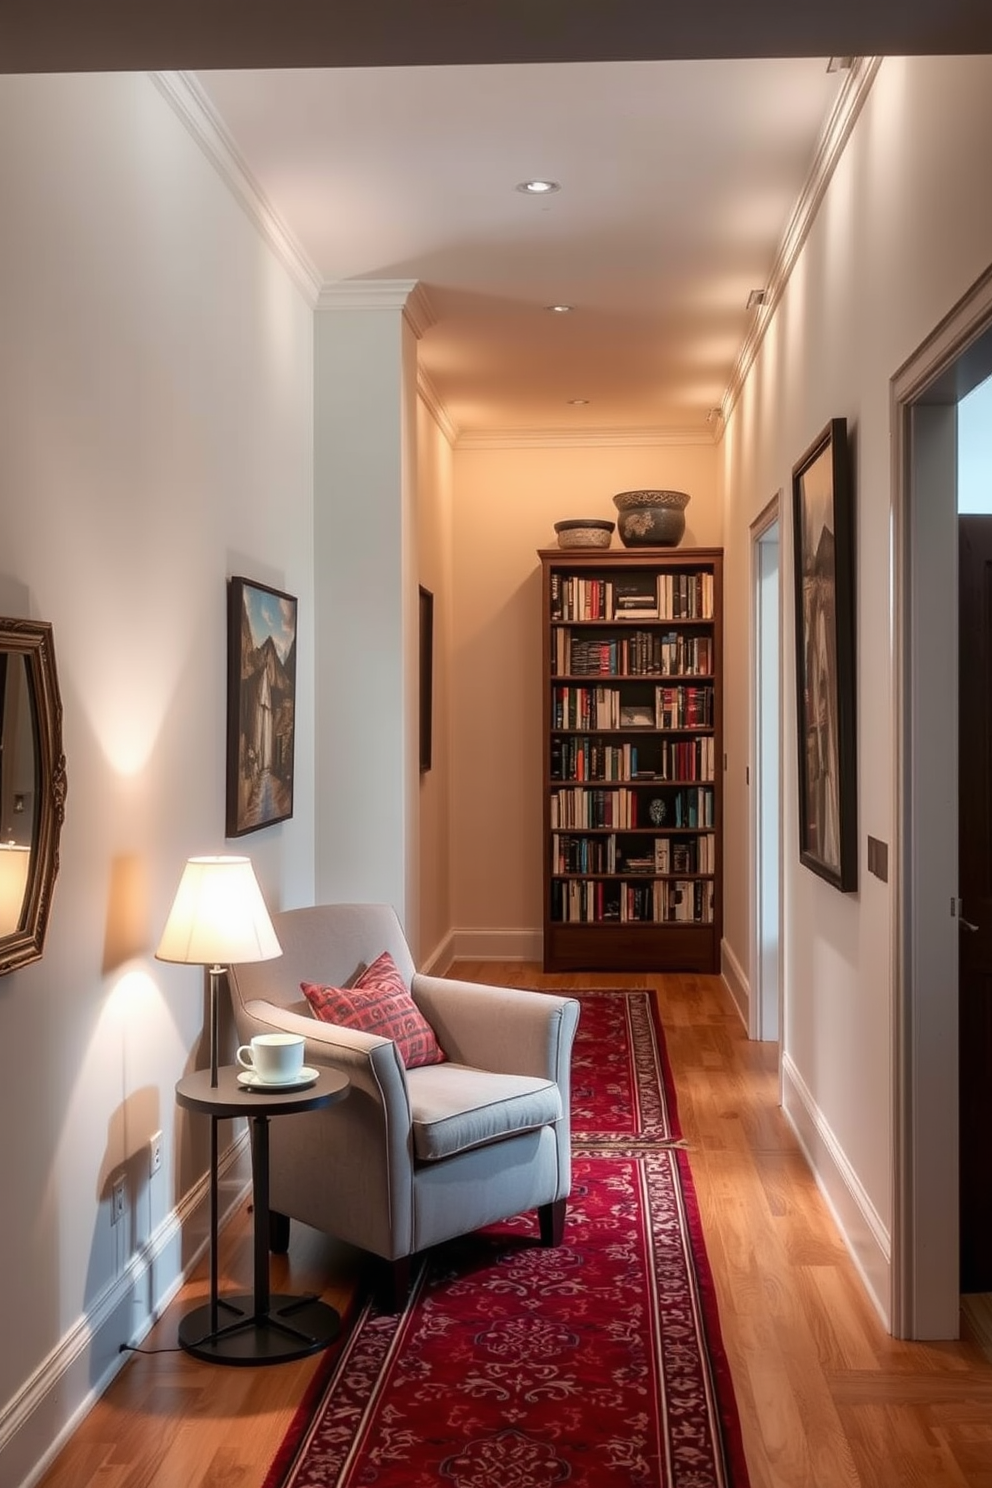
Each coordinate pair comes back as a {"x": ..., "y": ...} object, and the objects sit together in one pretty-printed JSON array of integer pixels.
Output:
[
  {"x": 154, "y": 1153},
  {"x": 118, "y": 1204}
]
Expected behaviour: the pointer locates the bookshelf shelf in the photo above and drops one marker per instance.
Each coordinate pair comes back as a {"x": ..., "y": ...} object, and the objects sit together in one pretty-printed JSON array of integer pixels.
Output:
[{"x": 633, "y": 759}]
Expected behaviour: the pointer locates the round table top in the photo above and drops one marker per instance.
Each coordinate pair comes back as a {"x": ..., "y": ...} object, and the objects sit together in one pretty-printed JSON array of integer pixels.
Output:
[{"x": 229, "y": 1098}]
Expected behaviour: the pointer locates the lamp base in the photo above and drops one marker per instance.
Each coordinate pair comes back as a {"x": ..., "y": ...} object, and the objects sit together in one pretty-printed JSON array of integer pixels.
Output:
[{"x": 292, "y": 1328}]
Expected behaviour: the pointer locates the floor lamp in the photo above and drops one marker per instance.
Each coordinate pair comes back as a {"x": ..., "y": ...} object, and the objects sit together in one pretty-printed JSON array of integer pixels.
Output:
[{"x": 218, "y": 917}]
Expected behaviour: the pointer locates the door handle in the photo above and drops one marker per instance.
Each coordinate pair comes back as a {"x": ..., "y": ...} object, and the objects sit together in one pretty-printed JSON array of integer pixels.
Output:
[{"x": 956, "y": 907}]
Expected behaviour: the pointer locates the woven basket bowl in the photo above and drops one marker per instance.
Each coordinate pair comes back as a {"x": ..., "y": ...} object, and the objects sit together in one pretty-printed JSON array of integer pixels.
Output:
[{"x": 584, "y": 532}]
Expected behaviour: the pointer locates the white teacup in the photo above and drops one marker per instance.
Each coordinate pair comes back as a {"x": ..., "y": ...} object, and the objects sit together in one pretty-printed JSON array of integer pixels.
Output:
[{"x": 275, "y": 1058}]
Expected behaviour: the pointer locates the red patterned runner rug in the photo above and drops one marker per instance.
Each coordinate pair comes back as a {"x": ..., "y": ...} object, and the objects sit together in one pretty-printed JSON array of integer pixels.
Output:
[
  {"x": 622, "y": 1086},
  {"x": 596, "y": 1364}
]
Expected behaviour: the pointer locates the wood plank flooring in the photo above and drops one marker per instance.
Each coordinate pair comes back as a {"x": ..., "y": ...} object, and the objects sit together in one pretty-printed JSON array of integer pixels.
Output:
[{"x": 827, "y": 1398}]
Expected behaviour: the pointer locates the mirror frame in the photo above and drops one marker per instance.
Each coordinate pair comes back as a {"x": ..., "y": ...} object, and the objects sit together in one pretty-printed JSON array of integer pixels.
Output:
[{"x": 32, "y": 639}]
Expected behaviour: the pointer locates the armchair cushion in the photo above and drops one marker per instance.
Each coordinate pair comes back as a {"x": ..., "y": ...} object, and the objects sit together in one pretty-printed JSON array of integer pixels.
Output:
[
  {"x": 379, "y": 1002},
  {"x": 455, "y": 1107}
]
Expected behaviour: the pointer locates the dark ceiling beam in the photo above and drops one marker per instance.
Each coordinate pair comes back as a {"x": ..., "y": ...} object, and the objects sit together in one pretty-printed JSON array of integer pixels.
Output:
[{"x": 125, "y": 35}]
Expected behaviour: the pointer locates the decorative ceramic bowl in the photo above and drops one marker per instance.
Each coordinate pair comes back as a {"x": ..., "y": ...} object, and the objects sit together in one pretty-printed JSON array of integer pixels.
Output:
[
  {"x": 584, "y": 532},
  {"x": 651, "y": 519}
]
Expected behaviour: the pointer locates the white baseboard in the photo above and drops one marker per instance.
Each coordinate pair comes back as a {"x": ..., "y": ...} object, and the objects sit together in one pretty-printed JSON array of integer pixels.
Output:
[
  {"x": 860, "y": 1225},
  {"x": 496, "y": 945},
  {"x": 440, "y": 959},
  {"x": 737, "y": 982},
  {"x": 36, "y": 1424}
]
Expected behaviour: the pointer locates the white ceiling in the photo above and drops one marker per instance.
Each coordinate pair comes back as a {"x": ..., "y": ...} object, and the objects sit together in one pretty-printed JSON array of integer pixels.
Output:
[
  {"x": 678, "y": 180},
  {"x": 399, "y": 157}
]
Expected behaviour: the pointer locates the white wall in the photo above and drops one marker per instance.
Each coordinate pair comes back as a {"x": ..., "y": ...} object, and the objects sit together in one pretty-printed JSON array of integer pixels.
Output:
[
  {"x": 902, "y": 233},
  {"x": 155, "y": 437},
  {"x": 366, "y": 607}
]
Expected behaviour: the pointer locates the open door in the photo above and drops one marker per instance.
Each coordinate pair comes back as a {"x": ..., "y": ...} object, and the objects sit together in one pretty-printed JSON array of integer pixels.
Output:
[{"x": 975, "y": 887}]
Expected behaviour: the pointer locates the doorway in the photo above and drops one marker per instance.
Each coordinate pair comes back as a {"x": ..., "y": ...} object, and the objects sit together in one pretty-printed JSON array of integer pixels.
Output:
[
  {"x": 927, "y": 392},
  {"x": 974, "y": 505},
  {"x": 765, "y": 1000}
]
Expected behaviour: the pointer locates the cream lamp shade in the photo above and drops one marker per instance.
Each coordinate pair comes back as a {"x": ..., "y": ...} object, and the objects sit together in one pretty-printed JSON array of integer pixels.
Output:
[
  {"x": 14, "y": 863},
  {"x": 218, "y": 917}
]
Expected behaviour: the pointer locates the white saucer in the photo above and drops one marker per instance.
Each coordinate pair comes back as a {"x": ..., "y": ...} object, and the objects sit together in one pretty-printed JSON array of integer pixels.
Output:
[{"x": 251, "y": 1081}]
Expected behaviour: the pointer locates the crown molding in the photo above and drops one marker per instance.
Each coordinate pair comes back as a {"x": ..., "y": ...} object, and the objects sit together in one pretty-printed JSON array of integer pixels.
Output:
[
  {"x": 190, "y": 103},
  {"x": 843, "y": 117},
  {"x": 431, "y": 400},
  {"x": 184, "y": 94},
  {"x": 407, "y": 295},
  {"x": 419, "y": 311},
  {"x": 479, "y": 439}
]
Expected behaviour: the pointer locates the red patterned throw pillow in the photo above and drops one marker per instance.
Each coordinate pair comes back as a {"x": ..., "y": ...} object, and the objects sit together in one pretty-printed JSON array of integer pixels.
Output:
[{"x": 379, "y": 1002}]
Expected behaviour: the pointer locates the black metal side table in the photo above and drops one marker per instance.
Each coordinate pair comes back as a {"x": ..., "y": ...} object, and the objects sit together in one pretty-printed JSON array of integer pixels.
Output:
[{"x": 262, "y": 1328}]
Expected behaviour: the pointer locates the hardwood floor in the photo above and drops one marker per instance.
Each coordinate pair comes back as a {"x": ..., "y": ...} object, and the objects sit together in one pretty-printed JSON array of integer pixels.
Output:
[{"x": 827, "y": 1399}]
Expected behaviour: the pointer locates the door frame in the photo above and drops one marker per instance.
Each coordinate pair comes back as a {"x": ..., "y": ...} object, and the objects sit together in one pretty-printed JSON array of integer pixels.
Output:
[
  {"x": 925, "y": 1299},
  {"x": 759, "y": 993}
]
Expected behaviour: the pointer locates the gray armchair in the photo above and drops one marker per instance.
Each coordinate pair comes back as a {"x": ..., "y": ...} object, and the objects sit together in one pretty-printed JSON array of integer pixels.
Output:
[{"x": 413, "y": 1156}]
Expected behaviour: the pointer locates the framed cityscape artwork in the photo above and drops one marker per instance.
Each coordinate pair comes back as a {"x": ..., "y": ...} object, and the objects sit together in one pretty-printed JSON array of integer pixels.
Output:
[{"x": 261, "y": 705}]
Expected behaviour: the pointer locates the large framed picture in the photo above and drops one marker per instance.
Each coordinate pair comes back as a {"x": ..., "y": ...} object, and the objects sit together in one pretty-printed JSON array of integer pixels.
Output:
[
  {"x": 261, "y": 705},
  {"x": 823, "y": 547}
]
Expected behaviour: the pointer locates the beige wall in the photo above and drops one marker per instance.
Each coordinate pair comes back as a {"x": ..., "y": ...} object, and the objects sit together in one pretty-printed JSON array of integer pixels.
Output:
[
  {"x": 434, "y": 535},
  {"x": 506, "y": 501}
]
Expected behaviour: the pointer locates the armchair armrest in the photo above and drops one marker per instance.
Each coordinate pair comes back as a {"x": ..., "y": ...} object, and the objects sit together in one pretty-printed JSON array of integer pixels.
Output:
[
  {"x": 504, "y": 1029},
  {"x": 371, "y": 1063}
]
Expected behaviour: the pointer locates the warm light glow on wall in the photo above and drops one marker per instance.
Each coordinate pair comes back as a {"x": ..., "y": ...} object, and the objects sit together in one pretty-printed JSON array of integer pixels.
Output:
[{"x": 130, "y": 675}]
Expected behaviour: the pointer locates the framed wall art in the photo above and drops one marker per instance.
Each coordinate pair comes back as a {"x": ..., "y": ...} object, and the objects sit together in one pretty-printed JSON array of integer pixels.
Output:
[
  {"x": 261, "y": 705},
  {"x": 823, "y": 549},
  {"x": 426, "y": 678}
]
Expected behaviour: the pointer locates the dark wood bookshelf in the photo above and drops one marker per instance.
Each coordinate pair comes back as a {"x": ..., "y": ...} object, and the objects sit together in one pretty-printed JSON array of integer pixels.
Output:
[{"x": 607, "y": 916}]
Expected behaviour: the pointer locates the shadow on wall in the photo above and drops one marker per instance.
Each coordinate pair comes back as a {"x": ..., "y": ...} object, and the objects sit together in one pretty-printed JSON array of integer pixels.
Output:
[{"x": 122, "y": 1228}]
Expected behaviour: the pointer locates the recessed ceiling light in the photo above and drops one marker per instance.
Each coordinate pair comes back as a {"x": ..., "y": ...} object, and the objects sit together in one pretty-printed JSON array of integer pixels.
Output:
[
  {"x": 560, "y": 309},
  {"x": 578, "y": 402},
  {"x": 538, "y": 188}
]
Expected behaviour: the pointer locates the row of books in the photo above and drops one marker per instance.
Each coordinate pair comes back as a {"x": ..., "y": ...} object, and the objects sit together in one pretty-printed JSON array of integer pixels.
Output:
[
  {"x": 666, "y": 855},
  {"x": 685, "y": 655},
  {"x": 585, "y": 708},
  {"x": 670, "y": 653},
  {"x": 634, "y": 655},
  {"x": 688, "y": 901},
  {"x": 642, "y": 654},
  {"x": 644, "y": 596},
  {"x": 576, "y": 807},
  {"x": 664, "y": 596},
  {"x": 688, "y": 759},
  {"x": 683, "y": 706},
  {"x": 583, "y": 759},
  {"x": 585, "y": 807}
]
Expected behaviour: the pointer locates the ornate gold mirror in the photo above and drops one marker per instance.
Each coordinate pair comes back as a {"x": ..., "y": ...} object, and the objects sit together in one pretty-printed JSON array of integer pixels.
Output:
[{"x": 32, "y": 788}]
